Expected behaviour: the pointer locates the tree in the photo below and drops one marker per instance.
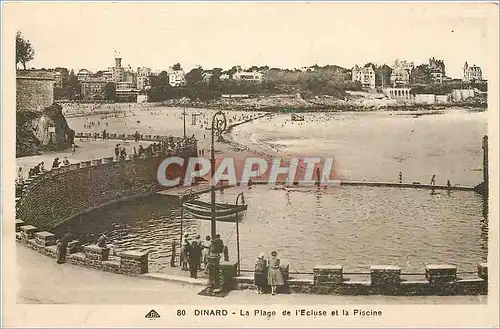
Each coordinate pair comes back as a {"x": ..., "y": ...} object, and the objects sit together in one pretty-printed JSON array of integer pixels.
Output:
[
  {"x": 176, "y": 67},
  {"x": 110, "y": 91},
  {"x": 24, "y": 50},
  {"x": 160, "y": 88},
  {"x": 74, "y": 88},
  {"x": 194, "y": 77},
  {"x": 383, "y": 75},
  {"x": 421, "y": 75}
]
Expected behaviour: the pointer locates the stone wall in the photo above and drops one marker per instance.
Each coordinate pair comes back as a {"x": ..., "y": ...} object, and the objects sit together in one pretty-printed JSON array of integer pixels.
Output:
[
  {"x": 128, "y": 262},
  {"x": 440, "y": 279},
  {"x": 458, "y": 95},
  {"x": 425, "y": 98},
  {"x": 34, "y": 90},
  {"x": 60, "y": 194}
]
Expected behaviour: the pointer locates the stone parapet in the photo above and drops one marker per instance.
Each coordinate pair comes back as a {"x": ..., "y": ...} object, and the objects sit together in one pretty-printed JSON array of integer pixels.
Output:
[
  {"x": 19, "y": 223},
  {"x": 93, "y": 256},
  {"x": 382, "y": 275},
  {"x": 51, "y": 198},
  {"x": 134, "y": 262},
  {"x": 326, "y": 279},
  {"x": 73, "y": 247},
  {"x": 327, "y": 275},
  {"x": 441, "y": 273},
  {"x": 94, "y": 252},
  {"x": 28, "y": 231},
  {"x": 45, "y": 238}
]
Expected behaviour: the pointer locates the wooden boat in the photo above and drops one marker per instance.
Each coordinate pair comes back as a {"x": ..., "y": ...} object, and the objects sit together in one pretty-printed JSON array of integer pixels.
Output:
[{"x": 223, "y": 212}]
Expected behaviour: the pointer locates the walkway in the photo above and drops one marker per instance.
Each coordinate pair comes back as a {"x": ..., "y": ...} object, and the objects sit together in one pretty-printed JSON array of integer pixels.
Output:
[{"x": 42, "y": 281}]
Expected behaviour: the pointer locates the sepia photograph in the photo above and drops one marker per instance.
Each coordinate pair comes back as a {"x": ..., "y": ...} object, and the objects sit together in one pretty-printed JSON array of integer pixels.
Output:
[{"x": 250, "y": 164}]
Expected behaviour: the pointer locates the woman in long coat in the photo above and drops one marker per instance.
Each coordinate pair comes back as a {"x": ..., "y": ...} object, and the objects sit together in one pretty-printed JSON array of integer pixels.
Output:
[
  {"x": 274, "y": 276},
  {"x": 62, "y": 244},
  {"x": 260, "y": 277}
]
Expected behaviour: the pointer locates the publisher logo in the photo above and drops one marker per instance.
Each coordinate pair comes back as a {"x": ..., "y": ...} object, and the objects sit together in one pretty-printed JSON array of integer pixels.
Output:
[{"x": 152, "y": 315}]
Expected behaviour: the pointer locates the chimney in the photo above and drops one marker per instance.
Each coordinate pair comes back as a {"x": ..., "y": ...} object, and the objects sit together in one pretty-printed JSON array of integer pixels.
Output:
[{"x": 118, "y": 62}]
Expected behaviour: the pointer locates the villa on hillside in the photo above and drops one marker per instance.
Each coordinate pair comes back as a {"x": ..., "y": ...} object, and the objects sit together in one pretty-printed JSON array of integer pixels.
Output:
[
  {"x": 472, "y": 73},
  {"x": 176, "y": 78},
  {"x": 248, "y": 76},
  {"x": 365, "y": 75},
  {"x": 401, "y": 72}
]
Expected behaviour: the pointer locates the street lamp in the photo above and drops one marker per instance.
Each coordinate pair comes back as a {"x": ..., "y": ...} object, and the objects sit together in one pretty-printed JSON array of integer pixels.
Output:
[
  {"x": 182, "y": 197},
  {"x": 238, "y": 230},
  {"x": 219, "y": 124}
]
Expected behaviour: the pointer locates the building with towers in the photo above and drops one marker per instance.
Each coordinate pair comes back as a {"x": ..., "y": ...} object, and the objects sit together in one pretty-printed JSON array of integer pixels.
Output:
[{"x": 472, "y": 73}]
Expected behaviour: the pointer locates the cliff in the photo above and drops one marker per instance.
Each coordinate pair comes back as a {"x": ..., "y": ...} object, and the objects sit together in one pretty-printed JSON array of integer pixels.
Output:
[{"x": 42, "y": 130}]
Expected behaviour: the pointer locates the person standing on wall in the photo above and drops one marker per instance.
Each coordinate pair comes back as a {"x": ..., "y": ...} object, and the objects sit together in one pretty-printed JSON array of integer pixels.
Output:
[{"x": 433, "y": 180}]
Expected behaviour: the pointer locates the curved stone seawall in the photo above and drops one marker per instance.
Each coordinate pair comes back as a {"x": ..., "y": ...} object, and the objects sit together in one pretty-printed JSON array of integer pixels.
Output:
[{"x": 57, "y": 195}]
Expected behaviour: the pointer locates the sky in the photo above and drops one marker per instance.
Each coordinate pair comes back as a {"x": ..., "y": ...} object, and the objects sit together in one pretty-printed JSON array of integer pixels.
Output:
[{"x": 285, "y": 35}]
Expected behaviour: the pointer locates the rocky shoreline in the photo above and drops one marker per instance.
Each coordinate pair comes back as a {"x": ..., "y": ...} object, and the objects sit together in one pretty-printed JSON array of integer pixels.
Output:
[{"x": 323, "y": 104}]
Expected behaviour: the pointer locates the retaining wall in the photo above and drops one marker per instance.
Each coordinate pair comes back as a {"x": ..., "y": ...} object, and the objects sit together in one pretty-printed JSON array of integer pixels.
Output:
[
  {"x": 57, "y": 195},
  {"x": 128, "y": 262},
  {"x": 440, "y": 279}
]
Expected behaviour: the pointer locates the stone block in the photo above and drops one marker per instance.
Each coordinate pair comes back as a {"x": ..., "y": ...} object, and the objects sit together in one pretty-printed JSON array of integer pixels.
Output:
[
  {"x": 96, "y": 162},
  {"x": 94, "y": 252},
  {"x": 327, "y": 274},
  {"x": 441, "y": 273},
  {"x": 28, "y": 231},
  {"x": 19, "y": 223},
  {"x": 76, "y": 259},
  {"x": 45, "y": 238},
  {"x": 482, "y": 271},
  {"x": 74, "y": 166},
  {"x": 84, "y": 164},
  {"x": 107, "y": 160},
  {"x": 385, "y": 275},
  {"x": 73, "y": 247},
  {"x": 134, "y": 262},
  {"x": 112, "y": 136},
  {"x": 228, "y": 272},
  {"x": 111, "y": 266}
]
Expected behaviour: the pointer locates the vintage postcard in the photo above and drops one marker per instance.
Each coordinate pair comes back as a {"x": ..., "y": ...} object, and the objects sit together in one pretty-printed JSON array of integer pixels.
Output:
[{"x": 252, "y": 164}]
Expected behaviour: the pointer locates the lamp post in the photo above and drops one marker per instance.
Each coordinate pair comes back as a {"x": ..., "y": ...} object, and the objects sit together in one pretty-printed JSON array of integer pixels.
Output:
[
  {"x": 219, "y": 124},
  {"x": 238, "y": 230},
  {"x": 184, "y": 120},
  {"x": 188, "y": 193}
]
